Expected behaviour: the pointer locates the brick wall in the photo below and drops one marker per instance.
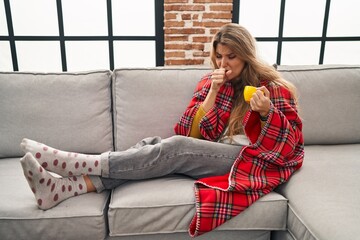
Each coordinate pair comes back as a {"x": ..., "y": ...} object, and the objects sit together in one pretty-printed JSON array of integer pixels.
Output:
[{"x": 188, "y": 29}]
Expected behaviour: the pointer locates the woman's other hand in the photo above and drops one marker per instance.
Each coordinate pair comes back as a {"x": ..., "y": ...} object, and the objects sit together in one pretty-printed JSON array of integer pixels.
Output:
[{"x": 260, "y": 101}]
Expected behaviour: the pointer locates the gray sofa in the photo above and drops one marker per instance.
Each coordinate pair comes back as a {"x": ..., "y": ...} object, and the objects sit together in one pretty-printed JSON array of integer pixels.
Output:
[{"x": 94, "y": 112}]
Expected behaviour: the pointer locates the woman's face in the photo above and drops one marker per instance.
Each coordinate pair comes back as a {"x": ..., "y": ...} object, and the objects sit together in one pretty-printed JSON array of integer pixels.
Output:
[{"x": 227, "y": 59}]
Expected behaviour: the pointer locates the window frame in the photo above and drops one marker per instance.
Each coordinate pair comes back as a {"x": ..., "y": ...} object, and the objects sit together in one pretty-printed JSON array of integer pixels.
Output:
[
  {"x": 280, "y": 38},
  {"x": 110, "y": 38}
]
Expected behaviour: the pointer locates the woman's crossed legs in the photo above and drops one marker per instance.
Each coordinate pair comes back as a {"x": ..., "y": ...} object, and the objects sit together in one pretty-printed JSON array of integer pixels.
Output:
[{"x": 150, "y": 158}]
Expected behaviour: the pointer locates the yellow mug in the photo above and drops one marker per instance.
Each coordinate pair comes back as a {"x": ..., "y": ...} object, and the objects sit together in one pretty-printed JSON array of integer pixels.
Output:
[{"x": 248, "y": 92}]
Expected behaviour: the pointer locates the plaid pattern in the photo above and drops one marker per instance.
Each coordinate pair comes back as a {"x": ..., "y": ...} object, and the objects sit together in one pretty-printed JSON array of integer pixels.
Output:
[
  {"x": 215, "y": 120},
  {"x": 276, "y": 151}
]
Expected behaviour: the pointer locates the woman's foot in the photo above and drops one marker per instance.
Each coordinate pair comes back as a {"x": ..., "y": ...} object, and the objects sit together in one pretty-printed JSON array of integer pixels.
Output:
[
  {"x": 61, "y": 162},
  {"x": 49, "y": 190}
]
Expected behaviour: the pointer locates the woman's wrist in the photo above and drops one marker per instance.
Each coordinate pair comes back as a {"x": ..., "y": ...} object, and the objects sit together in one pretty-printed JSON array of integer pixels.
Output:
[
  {"x": 213, "y": 91},
  {"x": 264, "y": 116},
  {"x": 209, "y": 101}
]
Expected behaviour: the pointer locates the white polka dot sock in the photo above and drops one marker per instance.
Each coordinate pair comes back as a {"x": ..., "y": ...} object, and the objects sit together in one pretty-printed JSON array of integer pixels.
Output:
[
  {"x": 61, "y": 162},
  {"x": 49, "y": 190}
]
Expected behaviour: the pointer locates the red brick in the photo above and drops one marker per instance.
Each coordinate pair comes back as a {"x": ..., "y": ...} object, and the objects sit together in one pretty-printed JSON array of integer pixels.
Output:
[
  {"x": 184, "y": 31},
  {"x": 174, "y": 24},
  {"x": 217, "y": 16},
  {"x": 225, "y": 8},
  {"x": 214, "y": 30},
  {"x": 201, "y": 54},
  {"x": 184, "y": 7},
  {"x": 182, "y": 38},
  {"x": 170, "y": 16},
  {"x": 184, "y": 46},
  {"x": 202, "y": 39},
  {"x": 174, "y": 54},
  {"x": 213, "y": 1},
  {"x": 176, "y": 1},
  {"x": 184, "y": 62},
  {"x": 210, "y": 24},
  {"x": 195, "y": 17},
  {"x": 186, "y": 16}
]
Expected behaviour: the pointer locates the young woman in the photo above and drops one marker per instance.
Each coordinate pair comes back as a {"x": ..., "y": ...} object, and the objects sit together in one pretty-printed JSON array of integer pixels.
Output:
[{"x": 238, "y": 149}]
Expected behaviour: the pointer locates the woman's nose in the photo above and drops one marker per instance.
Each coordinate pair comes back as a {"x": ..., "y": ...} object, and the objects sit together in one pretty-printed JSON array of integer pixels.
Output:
[{"x": 223, "y": 62}]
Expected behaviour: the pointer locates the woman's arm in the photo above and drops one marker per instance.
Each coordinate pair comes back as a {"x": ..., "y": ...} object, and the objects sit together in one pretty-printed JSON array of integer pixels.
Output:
[
  {"x": 217, "y": 114},
  {"x": 282, "y": 132},
  {"x": 218, "y": 79}
]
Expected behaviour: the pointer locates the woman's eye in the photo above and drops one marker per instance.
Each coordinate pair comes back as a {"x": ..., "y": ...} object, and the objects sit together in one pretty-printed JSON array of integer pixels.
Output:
[
  {"x": 218, "y": 56},
  {"x": 232, "y": 56}
]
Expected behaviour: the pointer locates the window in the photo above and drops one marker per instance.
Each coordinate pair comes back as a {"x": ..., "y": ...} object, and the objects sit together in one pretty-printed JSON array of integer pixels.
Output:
[
  {"x": 303, "y": 32},
  {"x": 66, "y": 35}
]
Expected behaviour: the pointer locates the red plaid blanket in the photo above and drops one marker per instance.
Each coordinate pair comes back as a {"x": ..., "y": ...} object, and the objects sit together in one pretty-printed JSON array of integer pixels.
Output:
[{"x": 275, "y": 152}]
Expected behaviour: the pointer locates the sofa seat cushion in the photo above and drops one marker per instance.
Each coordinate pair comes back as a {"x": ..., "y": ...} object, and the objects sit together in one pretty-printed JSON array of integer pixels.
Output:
[
  {"x": 323, "y": 195},
  {"x": 167, "y": 205},
  {"x": 68, "y": 111},
  {"x": 213, "y": 235},
  {"x": 83, "y": 217}
]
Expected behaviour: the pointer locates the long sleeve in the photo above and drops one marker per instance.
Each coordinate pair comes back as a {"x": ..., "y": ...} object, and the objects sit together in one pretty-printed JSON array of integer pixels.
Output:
[
  {"x": 215, "y": 120},
  {"x": 282, "y": 132}
]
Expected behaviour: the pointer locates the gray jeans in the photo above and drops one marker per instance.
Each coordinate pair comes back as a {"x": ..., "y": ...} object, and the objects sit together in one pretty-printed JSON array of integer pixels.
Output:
[{"x": 155, "y": 157}]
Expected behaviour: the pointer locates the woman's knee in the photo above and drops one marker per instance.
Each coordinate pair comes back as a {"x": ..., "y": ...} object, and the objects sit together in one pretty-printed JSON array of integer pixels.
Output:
[
  {"x": 148, "y": 141},
  {"x": 179, "y": 141}
]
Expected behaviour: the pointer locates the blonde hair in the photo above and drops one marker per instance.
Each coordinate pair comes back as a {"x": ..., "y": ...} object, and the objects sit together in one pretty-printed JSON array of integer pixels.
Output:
[{"x": 243, "y": 44}]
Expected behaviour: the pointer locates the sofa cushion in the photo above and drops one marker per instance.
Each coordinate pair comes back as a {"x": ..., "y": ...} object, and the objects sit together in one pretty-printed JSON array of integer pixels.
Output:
[
  {"x": 83, "y": 217},
  {"x": 70, "y": 111},
  {"x": 323, "y": 195},
  {"x": 149, "y": 101},
  {"x": 167, "y": 205},
  {"x": 213, "y": 235},
  {"x": 329, "y": 98}
]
